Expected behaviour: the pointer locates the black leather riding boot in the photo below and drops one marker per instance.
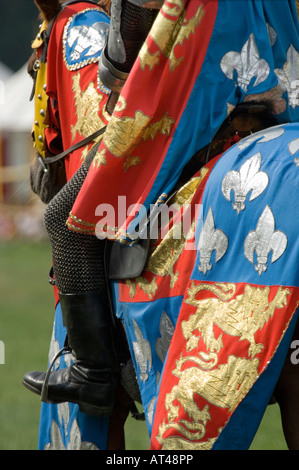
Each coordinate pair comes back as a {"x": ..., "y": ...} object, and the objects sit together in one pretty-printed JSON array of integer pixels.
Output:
[{"x": 92, "y": 380}]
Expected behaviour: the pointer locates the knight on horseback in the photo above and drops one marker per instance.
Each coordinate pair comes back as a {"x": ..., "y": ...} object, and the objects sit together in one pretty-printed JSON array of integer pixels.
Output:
[
  {"x": 94, "y": 336},
  {"x": 167, "y": 137}
]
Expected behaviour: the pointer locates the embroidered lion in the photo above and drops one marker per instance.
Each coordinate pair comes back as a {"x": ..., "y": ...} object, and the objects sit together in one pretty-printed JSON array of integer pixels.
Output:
[{"x": 241, "y": 316}]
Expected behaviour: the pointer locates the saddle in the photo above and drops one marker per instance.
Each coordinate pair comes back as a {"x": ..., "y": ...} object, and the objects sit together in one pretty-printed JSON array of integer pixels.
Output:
[{"x": 127, "y": 262}]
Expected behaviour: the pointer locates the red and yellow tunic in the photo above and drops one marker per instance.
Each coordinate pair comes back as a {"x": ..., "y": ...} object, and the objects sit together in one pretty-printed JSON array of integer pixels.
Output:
[{"x": 72, "y": 94}]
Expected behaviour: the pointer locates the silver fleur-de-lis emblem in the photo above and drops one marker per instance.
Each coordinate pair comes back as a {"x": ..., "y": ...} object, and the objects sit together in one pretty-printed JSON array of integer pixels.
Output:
[
  {"x": 211, "y": 239},
  {"x": 293, "y": 148},
  {"x": 166, "y": 330},
  {"x": 272, "y": 34},
  {"x": 247, "y": 179},
  {"x": 143, "y": 353},
  {"x": 264, "y": 240},
  {"x": 150, "y": 410},
  {"x": 289, "y": 76},
  {"x": 246, "y": 63},
  {"x": 266, "y": 135},
  {"x": 75, "y": 442}
]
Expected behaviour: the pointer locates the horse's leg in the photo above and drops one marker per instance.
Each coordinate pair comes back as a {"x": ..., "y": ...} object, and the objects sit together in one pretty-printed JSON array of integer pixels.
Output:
[
  {"x": 116, "y": 433},
  {"x": 286, "y": 394}
]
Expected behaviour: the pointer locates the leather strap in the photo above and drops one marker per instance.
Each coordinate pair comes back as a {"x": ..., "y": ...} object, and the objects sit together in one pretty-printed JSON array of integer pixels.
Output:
[
  {"x": 96, "y": 134},
  {"x": 74, "y": 147},
  {"x": 69, "y": 2}
]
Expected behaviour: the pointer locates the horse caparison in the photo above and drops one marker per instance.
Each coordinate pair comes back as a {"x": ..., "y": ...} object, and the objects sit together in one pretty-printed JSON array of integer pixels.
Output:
[{"x": 245, "y": 120}]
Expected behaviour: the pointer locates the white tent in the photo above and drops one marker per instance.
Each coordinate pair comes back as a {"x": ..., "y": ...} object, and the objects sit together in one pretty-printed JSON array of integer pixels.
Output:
[
  {"x": 5, "y": 72},
  {"x": 16, "y": 111},
  {"x": 16, "y": 149}
]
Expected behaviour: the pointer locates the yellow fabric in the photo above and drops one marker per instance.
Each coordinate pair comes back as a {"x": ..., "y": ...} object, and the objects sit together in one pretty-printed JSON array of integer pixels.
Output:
[
  {"x": 40, "y": 97},
  {"x": 38, "y": 41}
]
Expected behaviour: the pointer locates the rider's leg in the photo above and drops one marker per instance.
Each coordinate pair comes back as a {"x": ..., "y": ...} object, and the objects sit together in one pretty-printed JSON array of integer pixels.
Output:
[
  {"x": 78, "y": 262},
  {"x": 286, "y": 394}
]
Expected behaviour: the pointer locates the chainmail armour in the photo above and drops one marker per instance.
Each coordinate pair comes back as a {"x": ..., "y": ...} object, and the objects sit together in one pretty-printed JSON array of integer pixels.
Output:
[
  {"x": 136, "y": 23},
  {"x": 78, "y": 259}
]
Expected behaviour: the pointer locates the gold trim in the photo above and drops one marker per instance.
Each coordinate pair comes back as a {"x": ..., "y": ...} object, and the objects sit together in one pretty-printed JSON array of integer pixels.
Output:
[
  {"x": 227, "y": 384},
  {"x": 79, "y": 229},
  {"x": 80, "y": 221}
]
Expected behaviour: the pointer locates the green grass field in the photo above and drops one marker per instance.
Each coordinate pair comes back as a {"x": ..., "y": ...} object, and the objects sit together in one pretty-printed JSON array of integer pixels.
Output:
[{"x": 27, "y": 309}]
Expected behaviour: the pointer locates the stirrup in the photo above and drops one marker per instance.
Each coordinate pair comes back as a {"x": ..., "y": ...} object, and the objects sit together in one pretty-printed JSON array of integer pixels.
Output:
[
  {"x": 136, "y": 414},
  {"x": 45, "y": 387}
]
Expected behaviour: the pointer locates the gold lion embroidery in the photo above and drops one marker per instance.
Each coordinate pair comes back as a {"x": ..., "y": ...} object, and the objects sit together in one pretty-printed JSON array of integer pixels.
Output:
[
  {"x": 164, "y": 256},
  {"x": 161, "y": 263},
  {"x": 99, "y": 159},
  {"x": 125, "y": 133},
  {"x": 242, "y": 316},
  {"x": 224, "y": 387},
  {"x": 225, "y": 384},
  {"x": 168, "y": 33},
  {"x": 87, "y": 105}
]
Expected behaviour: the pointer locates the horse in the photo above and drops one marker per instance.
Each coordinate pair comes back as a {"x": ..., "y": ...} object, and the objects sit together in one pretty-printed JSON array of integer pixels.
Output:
[
  {"x": 175, "y": 345},
  {"x": 210, "y": 317},
  {"x": 63, "y": 426},
  {"x": 210, "y": 357}
]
